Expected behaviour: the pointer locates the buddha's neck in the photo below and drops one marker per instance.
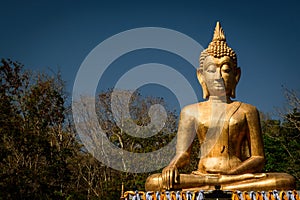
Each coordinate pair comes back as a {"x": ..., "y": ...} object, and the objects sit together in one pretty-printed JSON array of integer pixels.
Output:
[{"x": 220, "y": 99}]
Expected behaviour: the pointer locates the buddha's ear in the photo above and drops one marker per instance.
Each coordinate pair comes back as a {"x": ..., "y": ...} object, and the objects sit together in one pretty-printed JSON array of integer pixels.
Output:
[
  {"x": 238, "y": 74},
  {"x": 237, "y": 78},
  {"x": 202, "y": 83}
]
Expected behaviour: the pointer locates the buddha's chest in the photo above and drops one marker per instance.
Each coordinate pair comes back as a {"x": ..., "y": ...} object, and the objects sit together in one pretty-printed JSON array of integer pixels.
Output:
[{"x": 232, "y": 127}]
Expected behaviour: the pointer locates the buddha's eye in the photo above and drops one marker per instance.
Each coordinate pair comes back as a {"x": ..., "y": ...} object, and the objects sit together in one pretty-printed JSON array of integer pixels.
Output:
[
  {"x": 226, "y": 68},
  {"x": 211, "y": 69}
]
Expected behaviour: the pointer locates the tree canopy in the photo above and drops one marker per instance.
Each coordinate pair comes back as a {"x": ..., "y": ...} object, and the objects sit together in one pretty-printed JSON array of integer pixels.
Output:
[{"x": 42, "y": 156}]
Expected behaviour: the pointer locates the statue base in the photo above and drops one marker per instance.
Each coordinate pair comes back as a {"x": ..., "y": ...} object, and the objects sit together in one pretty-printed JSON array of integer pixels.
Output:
[{"x": 216, "y": 194}]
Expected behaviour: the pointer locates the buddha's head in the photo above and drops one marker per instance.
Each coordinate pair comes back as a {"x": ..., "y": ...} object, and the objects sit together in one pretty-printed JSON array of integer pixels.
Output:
[{"x": 218, "y": 73}]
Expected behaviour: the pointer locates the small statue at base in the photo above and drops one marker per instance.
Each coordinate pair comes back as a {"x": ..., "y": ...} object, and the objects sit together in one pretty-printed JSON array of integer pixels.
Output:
[{"x": 229, "y": 133}]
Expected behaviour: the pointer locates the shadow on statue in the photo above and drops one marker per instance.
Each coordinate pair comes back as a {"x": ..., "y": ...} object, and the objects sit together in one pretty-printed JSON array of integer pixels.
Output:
[{"x": 229, "y": 133}]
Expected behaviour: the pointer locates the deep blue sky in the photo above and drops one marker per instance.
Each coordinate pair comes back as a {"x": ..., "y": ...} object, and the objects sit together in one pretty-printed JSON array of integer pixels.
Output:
[{"x": 60, "y": 34}]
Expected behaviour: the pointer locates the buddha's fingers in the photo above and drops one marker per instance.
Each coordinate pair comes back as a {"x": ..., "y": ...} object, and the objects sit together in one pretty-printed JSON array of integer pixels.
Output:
[
  {"x": 164, "y": 179},
  {"x": 260, "y": 175},
  {"x": 241, "y": 177},
  {"x": 170, "y": 176},
  {"x": 250, "y": 176},
  {"x": 167, "y": 178},
  {"x": 176, "y": 176},
  {"x": 170, "y": 179}
]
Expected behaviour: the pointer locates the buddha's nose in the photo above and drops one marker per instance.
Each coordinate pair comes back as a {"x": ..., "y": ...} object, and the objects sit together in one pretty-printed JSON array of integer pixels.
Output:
[{"x": 218, "y": 75}]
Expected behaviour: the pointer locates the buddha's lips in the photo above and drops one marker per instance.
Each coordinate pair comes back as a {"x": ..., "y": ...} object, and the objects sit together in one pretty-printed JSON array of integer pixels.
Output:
[{"x": 219, "y": 86}]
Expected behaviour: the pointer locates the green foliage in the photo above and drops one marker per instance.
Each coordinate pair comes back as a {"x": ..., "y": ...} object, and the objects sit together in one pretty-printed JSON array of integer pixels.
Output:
[
  {"x": 34, "y": 146},
  {"x": 41, "y": 156},
  {"x": 282, "y": 145},
  {"x": 139, "y": 107}
]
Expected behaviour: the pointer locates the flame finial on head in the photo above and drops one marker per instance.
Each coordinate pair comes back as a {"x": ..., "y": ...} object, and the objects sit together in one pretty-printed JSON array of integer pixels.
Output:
[
  {"x": 219, "y": 33},
  {"x": 218, "y": 46}
]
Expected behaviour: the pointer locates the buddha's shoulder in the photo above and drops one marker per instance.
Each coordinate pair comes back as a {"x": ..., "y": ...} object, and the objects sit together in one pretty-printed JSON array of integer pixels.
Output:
[
  {"x": 247, "y": 108},
  {"x": 199, "y": 107},
  {"x": 191, "y": 109},
  {"x": 195, "y": 109}
]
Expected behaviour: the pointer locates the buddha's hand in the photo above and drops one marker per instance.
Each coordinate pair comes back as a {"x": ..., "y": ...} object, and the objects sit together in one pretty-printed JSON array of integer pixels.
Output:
[{"x": 170, "y": 176}]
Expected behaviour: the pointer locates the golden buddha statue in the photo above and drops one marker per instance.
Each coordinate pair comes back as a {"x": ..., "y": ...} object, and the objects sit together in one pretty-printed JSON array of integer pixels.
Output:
[{"x": 229, "y": 133}]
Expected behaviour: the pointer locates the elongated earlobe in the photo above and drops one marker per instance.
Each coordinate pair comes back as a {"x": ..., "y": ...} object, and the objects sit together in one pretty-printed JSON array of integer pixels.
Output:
[
  {"x": 237, "y": 78},
  {"x": 205, "y": 91},
  {"x": 238, "y": 74}
]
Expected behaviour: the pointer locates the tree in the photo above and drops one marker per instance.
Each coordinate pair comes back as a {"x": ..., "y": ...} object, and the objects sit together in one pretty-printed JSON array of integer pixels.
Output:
[
  {"x": 292, "y": 109},
  {"x": 117, "y": 125},
  {"x": 35, "y": 145},
  {"x": 281, "y": 138}
]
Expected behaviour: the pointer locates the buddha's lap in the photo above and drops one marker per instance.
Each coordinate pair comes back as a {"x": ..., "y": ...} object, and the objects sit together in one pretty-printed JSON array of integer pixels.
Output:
[
  {"x": 218, "y": 164},
  {"x": 270, "y": 181}
]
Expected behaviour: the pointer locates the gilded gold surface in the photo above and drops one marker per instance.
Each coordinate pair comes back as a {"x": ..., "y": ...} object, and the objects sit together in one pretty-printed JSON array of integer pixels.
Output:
[
  {"x": 229, "y": 133},
  {"x": 193, "y": 195}
]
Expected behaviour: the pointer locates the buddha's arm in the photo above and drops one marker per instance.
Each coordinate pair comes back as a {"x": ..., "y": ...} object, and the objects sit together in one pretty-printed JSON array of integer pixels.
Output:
[
  {"x": 185, "y": 137},
  {"x": 256, "y": 162}
]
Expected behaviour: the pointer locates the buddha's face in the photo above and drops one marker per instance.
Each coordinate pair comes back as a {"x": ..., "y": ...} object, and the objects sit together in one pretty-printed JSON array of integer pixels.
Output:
[{"x": 220, "y": 75}]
